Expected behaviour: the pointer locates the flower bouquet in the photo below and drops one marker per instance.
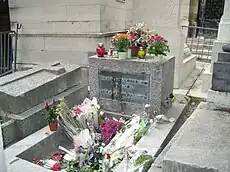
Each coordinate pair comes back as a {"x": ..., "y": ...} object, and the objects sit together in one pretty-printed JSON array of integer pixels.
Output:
[
  {"x": 100, "y": 144},
  {"x": 52, "y": 115},
  {"x": 139, "y": 35},
  {"x": 158, "y": 45},
  {"x": 121, "y": 42},
  {"x": 142, "y": 41}
]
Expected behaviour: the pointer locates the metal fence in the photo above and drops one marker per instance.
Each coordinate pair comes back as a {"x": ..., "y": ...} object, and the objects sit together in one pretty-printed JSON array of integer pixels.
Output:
[
  {"x": 200, "y": 41},
  {"x": 8, "y": 52}
]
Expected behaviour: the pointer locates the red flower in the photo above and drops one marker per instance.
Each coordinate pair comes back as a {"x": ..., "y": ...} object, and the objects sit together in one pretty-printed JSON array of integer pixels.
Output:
[
  {"x": 107, "y": 156},
  {"x": 56, "y": 167},
  {"x": 47, "y": 106}
]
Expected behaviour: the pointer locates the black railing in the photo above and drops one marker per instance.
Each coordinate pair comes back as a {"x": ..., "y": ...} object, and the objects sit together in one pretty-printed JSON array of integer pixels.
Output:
[
  {"x": 8, "y": 52},
  {"x": 200, "y": 41}
]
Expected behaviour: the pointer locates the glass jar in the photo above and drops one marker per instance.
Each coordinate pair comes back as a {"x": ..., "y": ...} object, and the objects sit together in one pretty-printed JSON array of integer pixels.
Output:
[
  {"x": 141, "y": 53},
  {"x": 100, "y": 50}
]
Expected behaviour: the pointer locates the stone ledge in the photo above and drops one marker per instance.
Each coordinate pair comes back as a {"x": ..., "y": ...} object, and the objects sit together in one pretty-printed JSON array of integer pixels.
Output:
[
  {"x": 79, "y": 35},
  {"x": 221, "y": 99},
  {"x": 202, "y": 145}
]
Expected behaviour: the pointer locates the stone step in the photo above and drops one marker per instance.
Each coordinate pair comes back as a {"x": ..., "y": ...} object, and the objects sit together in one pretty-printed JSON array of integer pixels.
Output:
[
  {"x": 202, "y": 144},
  {"x": 201, "y": 46},
  {"x": 195, "y": 40},
  {"x": 202, "y": 52}
]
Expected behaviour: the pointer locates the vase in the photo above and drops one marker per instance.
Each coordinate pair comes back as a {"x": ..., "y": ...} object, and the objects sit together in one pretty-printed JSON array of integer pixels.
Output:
[
  {"x": 129, "y": 54},
  {"x": 100, "y": 50},
  {"x": 134, "y": 51},
  {"x": 53, "y": 126},
  {"x": 122, "y": 55},
  {"x": 141, "y": 53},
  {"x": 226, "y": 48}
]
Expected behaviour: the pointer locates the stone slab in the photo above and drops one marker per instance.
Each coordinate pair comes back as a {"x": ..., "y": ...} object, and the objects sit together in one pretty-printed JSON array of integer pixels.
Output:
[
  {"x": 21, "y": 91},
  {"x": 220, "y": 78},
  {"x": 32, "y": 120},
  {"x": 127, "y": 85},
  {"x": 202, "y": 145},
  {"x": 221, "y": 99}
]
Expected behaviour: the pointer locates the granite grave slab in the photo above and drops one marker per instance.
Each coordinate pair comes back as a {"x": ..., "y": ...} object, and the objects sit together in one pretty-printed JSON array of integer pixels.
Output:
[
  {"x": 202, "y": 145},
  {"x": 38, "y": 85},
  {"x": 125, "y": 86},
  {"x": 21, "y": 91}
]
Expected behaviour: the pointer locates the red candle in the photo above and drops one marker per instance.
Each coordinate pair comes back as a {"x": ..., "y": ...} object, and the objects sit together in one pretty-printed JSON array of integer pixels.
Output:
[{"x": 100, "y": 50}]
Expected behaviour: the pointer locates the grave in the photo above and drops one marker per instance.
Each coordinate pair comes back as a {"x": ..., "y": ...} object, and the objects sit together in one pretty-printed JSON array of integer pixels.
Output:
[
  {"x": 23, "y": 95},
  {"x": 41, "y": 145},
  {"x": 220, "y": 89},
  {"x": 126, "y": 86}
]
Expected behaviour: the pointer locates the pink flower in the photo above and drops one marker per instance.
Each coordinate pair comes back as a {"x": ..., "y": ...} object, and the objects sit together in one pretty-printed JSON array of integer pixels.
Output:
[
  {"x": 109, "y": 129},
  {"x": 76, "y": 110},
  {"x": 56, "y": 157}
]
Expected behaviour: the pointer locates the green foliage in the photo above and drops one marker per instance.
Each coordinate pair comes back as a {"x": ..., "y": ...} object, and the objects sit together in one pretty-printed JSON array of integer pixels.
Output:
[
  {"x": 158, "y": 48},
  {"x": 143, "y": 160},
  {"x": 141, "y": 131},
  {"x": 122, "y": 44},
  {"x": 51, "y": 115}
]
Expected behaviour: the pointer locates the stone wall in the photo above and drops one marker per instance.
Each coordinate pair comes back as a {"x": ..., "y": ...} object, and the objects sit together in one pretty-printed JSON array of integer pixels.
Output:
[{"x": 65, "y": 30}]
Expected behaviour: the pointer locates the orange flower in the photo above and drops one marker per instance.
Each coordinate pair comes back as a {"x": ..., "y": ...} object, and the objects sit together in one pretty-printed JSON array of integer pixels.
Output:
[{"x": 122, "y": 36}]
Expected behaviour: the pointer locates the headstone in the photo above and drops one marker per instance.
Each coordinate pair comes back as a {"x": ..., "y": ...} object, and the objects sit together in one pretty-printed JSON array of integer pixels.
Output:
[
  {"x": 221, "y": 73},
  {"x": 220, "y": 89},
  {"x": 126, "y": 86}
]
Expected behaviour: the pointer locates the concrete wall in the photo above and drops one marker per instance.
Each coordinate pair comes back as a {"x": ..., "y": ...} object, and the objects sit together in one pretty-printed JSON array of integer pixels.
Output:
[{"x": 65, "y": 30}]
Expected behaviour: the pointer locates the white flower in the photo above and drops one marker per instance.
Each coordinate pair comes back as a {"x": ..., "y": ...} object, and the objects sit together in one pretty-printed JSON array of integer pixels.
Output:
[
  {"x": 98, "y": 106},
  {"x": 101, "y": 113},
  {"x": 147, "y": 106}
]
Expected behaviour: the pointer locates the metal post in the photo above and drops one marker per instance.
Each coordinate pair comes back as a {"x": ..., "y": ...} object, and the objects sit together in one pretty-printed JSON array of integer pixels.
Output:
[{"x": 15, "y": 51}]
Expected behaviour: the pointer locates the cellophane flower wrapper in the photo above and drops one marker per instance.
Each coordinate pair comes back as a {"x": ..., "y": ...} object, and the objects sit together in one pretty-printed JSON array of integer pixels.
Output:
[
  {"x": 66, "y": 120},
  {"x": 89, "y": 113}
]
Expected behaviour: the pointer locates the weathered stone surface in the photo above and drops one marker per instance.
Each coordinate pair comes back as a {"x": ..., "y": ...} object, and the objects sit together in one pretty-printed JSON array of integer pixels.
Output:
[
  {"x": 221, "y": 79},
  {"x": 21, "y": 91},
  {"x": 127, "y": 85},
  {"x": 26, "y": 123},
  {"x": 202, "y": 145},
  {"x": 223, "y": 57}
]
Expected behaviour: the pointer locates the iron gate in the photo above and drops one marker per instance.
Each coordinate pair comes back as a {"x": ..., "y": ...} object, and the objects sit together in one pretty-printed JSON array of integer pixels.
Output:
[
  {"x": 8, "y": 52},
  {"x": 210, "y": 13}
]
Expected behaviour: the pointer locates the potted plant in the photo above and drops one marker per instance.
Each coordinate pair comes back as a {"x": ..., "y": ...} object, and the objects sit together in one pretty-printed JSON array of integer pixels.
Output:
[
  {"x": 158, "y": 46},
  {"x": 122, "y": 43},
  {"x": 51, "y": 116}
]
